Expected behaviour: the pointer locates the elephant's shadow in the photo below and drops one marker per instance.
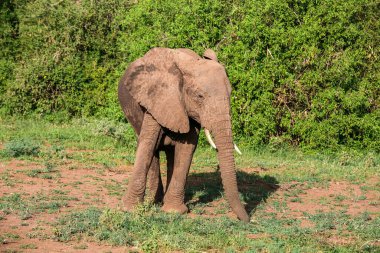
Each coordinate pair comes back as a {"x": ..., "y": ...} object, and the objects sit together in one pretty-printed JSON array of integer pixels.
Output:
[{"x": 206, "y": 187}]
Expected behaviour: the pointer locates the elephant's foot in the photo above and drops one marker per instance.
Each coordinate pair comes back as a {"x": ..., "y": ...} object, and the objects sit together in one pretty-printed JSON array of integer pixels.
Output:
[
  {"x": 128, "y": 204},
  {"x": 169, "y": 208}
]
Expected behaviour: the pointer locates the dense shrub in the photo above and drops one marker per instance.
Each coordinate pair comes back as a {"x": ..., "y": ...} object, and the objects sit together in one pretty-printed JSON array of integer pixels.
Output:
[
  {"x": 22, "y": 147},
  {"x": 304, "y": 72}
]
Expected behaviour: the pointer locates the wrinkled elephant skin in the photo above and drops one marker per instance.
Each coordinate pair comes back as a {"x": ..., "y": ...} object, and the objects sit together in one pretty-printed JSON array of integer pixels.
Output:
[{"x": 167, "y": 96}]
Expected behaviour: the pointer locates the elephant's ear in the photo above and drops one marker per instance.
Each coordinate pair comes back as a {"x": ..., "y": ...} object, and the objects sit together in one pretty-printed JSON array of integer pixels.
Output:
[
  {"x": 210, "y": 55},
  {"x": 155, "y": 83},
  {"x": 189, "y": 52}
]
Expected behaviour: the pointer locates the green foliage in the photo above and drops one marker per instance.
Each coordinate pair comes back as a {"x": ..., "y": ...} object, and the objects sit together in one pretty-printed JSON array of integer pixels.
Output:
[
  {"x": 304, "y": 72},
  {"x": 64, "y": 56},
  {"x": 22, "y": 147},
  {"x": 8, "y": 44}
]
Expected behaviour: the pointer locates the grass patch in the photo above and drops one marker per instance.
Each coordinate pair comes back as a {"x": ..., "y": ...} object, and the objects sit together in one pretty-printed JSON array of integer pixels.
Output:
[
  {"x": 108, "y": 144},
  {"x": 89, "y": 141},
  {"x": 291, "y": 164},
  {"x": 8, "y": 179},
  {"x": 150, "y": 230},
  {"x": 49, "y": 172},
  {"x": 27, "y": 207}
]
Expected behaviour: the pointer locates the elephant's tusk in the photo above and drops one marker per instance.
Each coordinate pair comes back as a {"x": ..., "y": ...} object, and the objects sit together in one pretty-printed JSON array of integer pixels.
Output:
[
  {"x": 237, "y": 149},
  {"x": 209, "y": 138}
]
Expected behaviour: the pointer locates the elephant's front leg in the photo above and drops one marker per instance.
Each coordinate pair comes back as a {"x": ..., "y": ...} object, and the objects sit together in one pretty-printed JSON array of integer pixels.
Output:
[
  {"x": 175, "y": 194},
  {"x": 149, "y": 133}
]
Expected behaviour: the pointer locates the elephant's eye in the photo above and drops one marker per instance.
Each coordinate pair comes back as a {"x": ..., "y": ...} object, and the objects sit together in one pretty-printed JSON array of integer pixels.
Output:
[
  {"x": 196, "y": 95},
  {"x": 199, "y": 97}
]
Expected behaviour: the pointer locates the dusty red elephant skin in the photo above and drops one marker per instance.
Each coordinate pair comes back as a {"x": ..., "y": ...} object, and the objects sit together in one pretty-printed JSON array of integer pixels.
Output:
[{"x": 167, "y": 95}]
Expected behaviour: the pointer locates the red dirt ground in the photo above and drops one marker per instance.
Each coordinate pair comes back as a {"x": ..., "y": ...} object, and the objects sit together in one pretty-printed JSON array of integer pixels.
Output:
[
  {"x": 90, "y": 187},
  {"x": 90, "y": 191}
]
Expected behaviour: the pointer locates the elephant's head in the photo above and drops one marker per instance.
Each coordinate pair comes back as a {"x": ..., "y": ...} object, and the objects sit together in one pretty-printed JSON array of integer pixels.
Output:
[{"x": 177, "y": 84}]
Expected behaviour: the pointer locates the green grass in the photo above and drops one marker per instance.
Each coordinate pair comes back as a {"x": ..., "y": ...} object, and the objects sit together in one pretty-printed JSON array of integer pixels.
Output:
[
  {"x": 27, "y": 206},
  {"x": 49, "y": 172},
  {"x": 106, "y": 143},
  {"x": 151, "y": 230},
  {"x": 99, "y": 141}
]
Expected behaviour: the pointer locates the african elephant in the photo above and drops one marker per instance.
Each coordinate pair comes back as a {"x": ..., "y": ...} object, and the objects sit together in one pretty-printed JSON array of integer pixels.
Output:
[{"x": 167, "y": 96}]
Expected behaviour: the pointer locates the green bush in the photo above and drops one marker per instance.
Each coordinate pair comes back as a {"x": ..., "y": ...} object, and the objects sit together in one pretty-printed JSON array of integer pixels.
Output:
[
  {"x": 304, "y": 72},
  {"x": 22, "y": 147}
]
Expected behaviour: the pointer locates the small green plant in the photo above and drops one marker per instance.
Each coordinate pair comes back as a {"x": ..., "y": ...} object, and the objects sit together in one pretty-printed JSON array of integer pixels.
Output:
[
  {"x": 340, "y": 198},
  {"x": 45, "y": 173},
  {"x": 28, "y": 246},
  {"x": 361, "y": 197},
  {"x": 33, "y": 173},
  {"x": 121, "y": 132},
  {"x": 49, "y": 167},
  {"x": 22, "y": 147},
  {"x": 10, "y": 236},
  {"x": 296, "y": 199},
  {"x": 80, "y": 246},
  {"x": 47, "y": 176},
  {"x": 150, "y": 246},
  {"x": 112, "y": 219},
  {"x": 57, "y": 151},
  {"x": 7, "y": 179}
]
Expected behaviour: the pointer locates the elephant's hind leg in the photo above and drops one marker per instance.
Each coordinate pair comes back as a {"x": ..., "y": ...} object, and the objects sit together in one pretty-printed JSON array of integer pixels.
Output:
[
  {"x": 169, "y": 151},
  {"x": 148, "y": 137}
]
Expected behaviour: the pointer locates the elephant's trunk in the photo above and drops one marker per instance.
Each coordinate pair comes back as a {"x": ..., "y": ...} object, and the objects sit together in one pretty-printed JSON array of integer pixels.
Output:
[{"x": 224, "y": 142}]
